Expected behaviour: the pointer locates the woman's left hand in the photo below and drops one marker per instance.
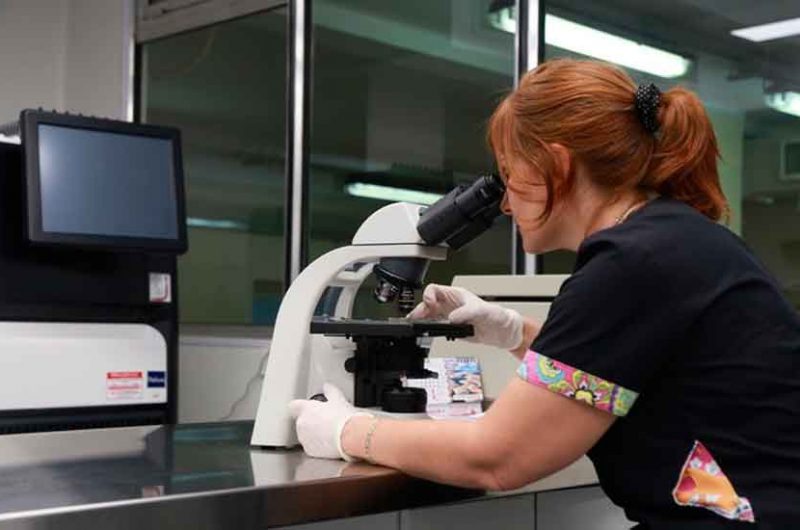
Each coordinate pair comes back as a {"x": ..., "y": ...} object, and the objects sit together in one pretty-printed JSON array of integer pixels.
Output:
[{"x": 320, "y": 423}]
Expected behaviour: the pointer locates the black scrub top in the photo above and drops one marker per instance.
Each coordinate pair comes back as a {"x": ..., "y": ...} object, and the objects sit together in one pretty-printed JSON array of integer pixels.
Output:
[{"x": 670, "y": 323}]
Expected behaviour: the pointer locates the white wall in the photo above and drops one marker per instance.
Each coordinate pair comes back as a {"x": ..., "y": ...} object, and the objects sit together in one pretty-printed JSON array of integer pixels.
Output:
[
  {"x": 65, "y": 55},
  {"x": 32, "y": 55},
  {"x": 98, "y": 72}
]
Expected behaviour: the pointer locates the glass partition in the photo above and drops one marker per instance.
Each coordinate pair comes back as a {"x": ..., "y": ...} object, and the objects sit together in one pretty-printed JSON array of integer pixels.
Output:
[
  {"x": 401, "y": 96},
  {"x": 751, "y": 89},
  {"x": 224, "y": 87}
]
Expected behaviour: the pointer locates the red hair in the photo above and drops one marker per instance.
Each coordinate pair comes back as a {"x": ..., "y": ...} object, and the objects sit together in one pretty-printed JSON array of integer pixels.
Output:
[{"x": 588, "y": 107}]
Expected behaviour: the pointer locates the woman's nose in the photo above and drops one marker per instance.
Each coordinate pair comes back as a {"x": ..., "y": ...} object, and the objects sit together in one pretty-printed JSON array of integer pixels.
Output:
[{"x": 504, "y": 207}]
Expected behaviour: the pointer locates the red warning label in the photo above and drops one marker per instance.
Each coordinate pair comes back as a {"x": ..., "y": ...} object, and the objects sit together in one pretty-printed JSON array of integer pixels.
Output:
[
  {"x": 124, "y": 375},
  {"x": 124, "y": 385}
]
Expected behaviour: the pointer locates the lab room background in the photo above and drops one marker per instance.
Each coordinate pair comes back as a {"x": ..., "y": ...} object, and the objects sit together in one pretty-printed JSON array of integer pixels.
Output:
[{"x": 393, "y": 101}]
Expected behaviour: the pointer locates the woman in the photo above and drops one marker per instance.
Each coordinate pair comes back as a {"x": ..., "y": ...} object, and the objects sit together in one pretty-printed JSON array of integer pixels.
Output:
[{"x": 669, "y": 356}]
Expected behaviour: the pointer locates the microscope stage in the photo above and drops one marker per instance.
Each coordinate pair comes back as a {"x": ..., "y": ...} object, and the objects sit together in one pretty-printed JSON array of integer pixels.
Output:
[{"x": 399, "y": 327}]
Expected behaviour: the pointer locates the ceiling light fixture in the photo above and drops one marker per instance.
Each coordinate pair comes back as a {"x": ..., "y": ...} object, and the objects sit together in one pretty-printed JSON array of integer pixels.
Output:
[
  {"x": 503, "y": 19},
  {"x": 765, "y": 32},
  {"x": 585, "y": 40},
  {"x": 390, "y": 193},
  {"x": 786, "y": 102},
  {"x": 219, "y": 224}
]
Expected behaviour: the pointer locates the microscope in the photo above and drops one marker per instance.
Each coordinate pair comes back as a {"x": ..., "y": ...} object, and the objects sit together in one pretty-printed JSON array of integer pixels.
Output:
[{"x": 368, "y": 359}]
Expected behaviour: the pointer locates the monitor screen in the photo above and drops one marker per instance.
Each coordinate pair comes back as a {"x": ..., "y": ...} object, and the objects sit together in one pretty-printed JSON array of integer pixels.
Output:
[{"x": 97, "y": 182}]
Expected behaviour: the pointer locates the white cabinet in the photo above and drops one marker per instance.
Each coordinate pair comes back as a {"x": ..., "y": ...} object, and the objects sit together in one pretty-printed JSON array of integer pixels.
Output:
[
  {"x": 508, "y": 513},
  {"x": 578, "y": 508},
  {"x": 382, "y": 521},
  {"x": 569, "y": 509}
]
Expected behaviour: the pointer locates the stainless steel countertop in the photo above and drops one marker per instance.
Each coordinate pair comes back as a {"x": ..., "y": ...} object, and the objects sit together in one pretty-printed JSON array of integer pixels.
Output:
[{"x": 200, "y": 476}]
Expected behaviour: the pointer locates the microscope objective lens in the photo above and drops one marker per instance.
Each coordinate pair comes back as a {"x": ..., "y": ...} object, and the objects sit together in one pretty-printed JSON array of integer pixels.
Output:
[{"x": 406, "y": 301}]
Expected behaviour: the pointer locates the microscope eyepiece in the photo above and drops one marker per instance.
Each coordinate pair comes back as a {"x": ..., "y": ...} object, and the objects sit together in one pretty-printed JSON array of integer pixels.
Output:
[
  {"x": 463, "y": 214},
  {"x": 456, "y": 219}
]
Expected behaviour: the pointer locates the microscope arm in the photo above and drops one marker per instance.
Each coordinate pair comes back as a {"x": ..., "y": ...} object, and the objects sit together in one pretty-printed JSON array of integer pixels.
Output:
[{"x": 286, "y": 375}]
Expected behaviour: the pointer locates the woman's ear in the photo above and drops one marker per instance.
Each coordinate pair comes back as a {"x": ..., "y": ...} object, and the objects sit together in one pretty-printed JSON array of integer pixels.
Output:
[{"x": 564, "y": 162}]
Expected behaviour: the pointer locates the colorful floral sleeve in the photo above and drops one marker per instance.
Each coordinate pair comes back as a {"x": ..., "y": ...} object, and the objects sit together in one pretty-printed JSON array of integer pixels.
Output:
[{"x": 576, "y": 384}]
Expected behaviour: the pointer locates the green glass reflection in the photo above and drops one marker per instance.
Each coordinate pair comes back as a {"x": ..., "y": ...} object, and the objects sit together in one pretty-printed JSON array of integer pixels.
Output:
[
  {"x": 224, "y": 87},
  {"x": 402, "y": 94},
  {"x": 742, "y": 84}
]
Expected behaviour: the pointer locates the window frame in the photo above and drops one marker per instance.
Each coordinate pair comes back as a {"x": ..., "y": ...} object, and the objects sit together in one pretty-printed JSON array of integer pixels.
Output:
[{"x": 157, "y": 19}]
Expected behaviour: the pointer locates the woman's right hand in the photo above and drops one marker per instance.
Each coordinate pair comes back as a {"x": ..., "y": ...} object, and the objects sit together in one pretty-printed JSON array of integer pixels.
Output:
[{"x": 494, "y": 325}]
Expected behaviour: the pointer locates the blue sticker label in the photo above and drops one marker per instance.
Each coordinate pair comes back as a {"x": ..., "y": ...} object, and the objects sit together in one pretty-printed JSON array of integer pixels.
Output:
[{"x": 156, "y": 379}]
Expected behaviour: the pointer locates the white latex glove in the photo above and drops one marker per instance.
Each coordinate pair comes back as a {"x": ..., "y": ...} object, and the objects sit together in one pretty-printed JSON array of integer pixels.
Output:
[
  {"x": 320, "y": 423},
  {"x": 494, "y": 325}
]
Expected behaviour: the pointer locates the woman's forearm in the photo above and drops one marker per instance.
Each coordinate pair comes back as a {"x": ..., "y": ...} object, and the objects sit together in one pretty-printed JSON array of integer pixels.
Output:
[
  {"x": 442, "y": 451},
  {"x": 528, "y": 433}
]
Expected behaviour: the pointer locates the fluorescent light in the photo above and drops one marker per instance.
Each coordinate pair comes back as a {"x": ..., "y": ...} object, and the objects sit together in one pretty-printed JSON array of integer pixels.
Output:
[
  {"x": 787, "y": 102},
  {"x": 220, "y": 224},
  {"x": 504, "y": 19},
  {"x": 391, "y": 194},
  {"x": 591, "y": 42},
  {"x": 582, "y": 39},
  {"x": 774, "y": 30}
]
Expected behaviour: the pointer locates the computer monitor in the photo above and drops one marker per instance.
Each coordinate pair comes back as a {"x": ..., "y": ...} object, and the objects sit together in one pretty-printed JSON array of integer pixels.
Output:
[{"x": 104, "y": 184}]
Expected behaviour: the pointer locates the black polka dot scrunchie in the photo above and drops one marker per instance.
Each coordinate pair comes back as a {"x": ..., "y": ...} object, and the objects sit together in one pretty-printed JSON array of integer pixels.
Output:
[{"x": 648, "y": 99}]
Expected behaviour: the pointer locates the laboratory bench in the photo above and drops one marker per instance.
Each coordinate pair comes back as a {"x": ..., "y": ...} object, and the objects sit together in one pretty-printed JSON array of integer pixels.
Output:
[{"x": 207, "y": 476}]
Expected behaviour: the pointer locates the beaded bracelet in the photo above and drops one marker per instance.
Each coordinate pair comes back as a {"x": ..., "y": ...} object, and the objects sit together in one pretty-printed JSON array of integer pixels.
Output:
[
  {"x": 340, "y": 430},
  {"x": 368, "y": 441}
]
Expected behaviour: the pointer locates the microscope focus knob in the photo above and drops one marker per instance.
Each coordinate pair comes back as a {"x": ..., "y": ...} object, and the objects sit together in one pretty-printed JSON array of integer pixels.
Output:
[{"x": 405, "y": 399}]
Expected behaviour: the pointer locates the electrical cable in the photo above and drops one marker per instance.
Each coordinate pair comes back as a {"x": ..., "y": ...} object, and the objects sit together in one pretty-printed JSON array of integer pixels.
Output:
[
  {"x": 258, "y": 375},
  {"x": 200, "y": 56}
]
